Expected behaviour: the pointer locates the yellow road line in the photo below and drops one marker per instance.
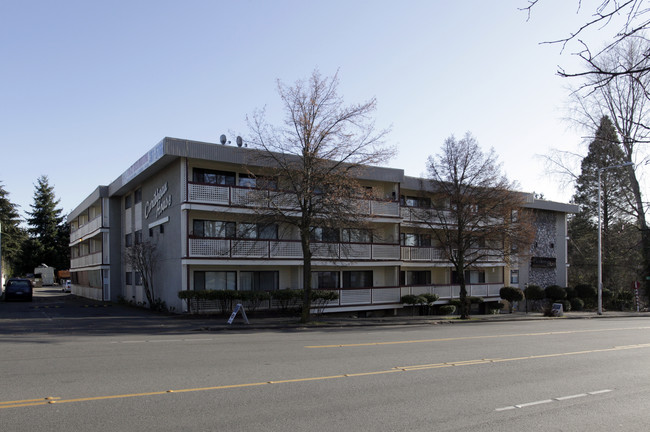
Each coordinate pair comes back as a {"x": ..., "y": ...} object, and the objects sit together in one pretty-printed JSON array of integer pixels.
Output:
[
  {"x": 412, "y": 368},
  {"x": 472, "y": 338}
]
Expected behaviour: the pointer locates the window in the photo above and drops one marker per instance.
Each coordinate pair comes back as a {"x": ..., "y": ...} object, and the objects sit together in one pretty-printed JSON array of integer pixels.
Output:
[
  {"x": 357, "y": 279},
  {"x": 138, "y": 237},
  {"x": 471, "y": 276},
  {"x": 259, "y": 280},
  {"x": 208, "y": 228},
  {"x": 201, "y": 175},
  {"x": 162, "y": 228},
  {"x": 414, "y": 239},
  {"x": 247, "y": 181},
  {"x": 257, "y": 231},
  {"x": 324, "y": 234},
  {"x": 127, "y": 202},
  {"x": 355, "y": 235},
  {"x": 514, "y": 277},
  {"x": 325, "y": 279},
  {"x": 215, "y": 280},
  {"x": 138, "y": 278},
  {"x": 137, "y": 196},
  {"x": 128, "y": 278},
  {"x": 128, "y": 240},
  {"x": 420, "y": 277},
  {"x": 412, "y": 201}
]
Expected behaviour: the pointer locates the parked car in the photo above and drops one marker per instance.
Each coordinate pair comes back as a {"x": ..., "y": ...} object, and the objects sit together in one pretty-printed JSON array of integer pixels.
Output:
[
  {"x": 66, "y": 286},
  {"x": 19, "y": 289}
]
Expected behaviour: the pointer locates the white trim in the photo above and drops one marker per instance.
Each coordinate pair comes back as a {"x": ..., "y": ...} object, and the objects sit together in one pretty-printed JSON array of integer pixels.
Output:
[{"x": 159, "y": 222}]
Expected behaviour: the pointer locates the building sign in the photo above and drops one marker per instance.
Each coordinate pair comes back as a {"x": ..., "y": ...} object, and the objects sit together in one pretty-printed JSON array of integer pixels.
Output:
[
  {"x": 542, "y": 262},
  {"x": 143, "y": 163},
  {"x": 160, "y": 202}
]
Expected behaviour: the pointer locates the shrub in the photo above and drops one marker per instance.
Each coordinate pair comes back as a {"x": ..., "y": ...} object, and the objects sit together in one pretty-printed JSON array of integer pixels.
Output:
[
  {"x": 475, "y": 300},
  {"x": 429, "y": 300},
  {"x": 555, "y": 293},
  {"x": 412, "y": 300},
  {"x": 577, "y": 304},
  {"x": 534, "y": 294},
  {"x": 511, "y": 294},
  {"x": 448, "y": 309},
  {"x": 494, "y": 307},
  {"x": 254, "y": 298},
  {"x": 320, "y": 298},
  {"x": 287, "y": 298},
  {"x": 586, "y": 291},
  {"x": 571, "y": 293}
]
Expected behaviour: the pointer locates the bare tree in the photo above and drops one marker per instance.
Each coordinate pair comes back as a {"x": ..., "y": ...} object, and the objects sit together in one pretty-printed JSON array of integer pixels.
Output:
[
  {"x": 317, "y": 156},
  {"x": 476, "y": 214},
  {"x": 143, "y": 258},
  {"x": 632, "y": 18}
]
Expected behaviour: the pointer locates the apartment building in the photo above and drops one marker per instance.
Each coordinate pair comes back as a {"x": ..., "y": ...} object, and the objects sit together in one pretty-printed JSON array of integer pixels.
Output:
[{"x": 194, "y": 202}]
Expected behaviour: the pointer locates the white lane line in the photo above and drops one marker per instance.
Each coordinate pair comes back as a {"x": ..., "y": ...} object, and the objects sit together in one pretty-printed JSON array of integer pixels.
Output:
[
  {"x": 599, "y": 392},
  {"x": 563, "y": 398},
  {"x": 557, "y": 399},
  {"x": 545, "y": 401}
]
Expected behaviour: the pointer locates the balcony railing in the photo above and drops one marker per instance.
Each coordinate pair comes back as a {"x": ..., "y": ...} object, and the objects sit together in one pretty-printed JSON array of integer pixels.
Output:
[
  {"x": 286, "y": 249},
  {"x": 429, "y": 254},
  {"x": 85, "y": 229},
  {"x": 86, "y": 260},
  {"x": 247, "y": 197}
]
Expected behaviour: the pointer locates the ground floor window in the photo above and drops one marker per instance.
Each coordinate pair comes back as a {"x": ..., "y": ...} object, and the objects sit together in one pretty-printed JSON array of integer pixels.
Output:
[
  {"x": 471, "y": 276},
  {"x": 325, "y": 279},
  {"x": 259, "y": 280},
  {"x": 357, "y": 279},
  {"x": 418, "y": 277},
  {"x": 215, "y": 280}
]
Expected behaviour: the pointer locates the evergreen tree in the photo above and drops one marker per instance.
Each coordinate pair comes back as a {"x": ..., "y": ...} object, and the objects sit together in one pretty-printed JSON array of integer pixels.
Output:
[
  {"x": 12, "y": 234},
  {"x": 619, "y": 243},
  {"x": 48, "y": 232}
]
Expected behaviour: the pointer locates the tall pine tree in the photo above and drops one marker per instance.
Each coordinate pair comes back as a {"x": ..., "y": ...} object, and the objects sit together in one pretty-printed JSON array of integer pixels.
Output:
[
  {"x": 12, "y": 234},
  {"x": 48, "y": 232},
  {"x": 619, "y": 239}
]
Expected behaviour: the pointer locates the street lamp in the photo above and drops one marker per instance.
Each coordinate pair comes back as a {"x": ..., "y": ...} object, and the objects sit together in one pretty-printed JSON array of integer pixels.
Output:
[{"x": 600, "y": 250}]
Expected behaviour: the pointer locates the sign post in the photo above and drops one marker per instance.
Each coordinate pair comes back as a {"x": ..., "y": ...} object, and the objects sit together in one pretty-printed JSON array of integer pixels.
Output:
[{"x": 238, "y": 308}]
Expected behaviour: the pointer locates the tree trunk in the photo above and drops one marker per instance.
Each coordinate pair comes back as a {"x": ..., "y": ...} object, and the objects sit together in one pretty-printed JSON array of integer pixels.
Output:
[{"x": 305, "y": 316}]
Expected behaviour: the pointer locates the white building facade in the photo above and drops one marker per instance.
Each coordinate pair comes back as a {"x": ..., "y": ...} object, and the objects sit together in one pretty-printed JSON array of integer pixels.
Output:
[{"x": 193, "y": 201}]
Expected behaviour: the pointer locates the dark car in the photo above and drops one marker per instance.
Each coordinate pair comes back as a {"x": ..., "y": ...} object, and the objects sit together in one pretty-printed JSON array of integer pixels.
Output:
[{"x": 18, "y": 289}]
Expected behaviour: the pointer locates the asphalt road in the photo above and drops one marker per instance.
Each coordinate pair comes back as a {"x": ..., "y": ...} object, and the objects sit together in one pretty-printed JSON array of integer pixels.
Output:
[{"x": 70, "y": 366}]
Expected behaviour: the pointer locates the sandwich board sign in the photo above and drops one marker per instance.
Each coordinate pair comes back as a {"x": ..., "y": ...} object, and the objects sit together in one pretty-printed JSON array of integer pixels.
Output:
[{"x": 238, "y": 308}]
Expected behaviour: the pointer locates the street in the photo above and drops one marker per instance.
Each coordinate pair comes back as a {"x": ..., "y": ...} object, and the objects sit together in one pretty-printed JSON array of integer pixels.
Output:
[{"x": 68, "y": 367}]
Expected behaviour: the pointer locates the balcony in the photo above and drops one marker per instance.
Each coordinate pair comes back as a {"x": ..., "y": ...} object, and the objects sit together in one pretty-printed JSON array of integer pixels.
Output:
[
  {"x": 429, "y": 254},
  {"x": 287, "y": 249},
  {"x": 246, "y": 197},
  {"x": 85, "y": 229},
  {"x": 86, "y": 260}
]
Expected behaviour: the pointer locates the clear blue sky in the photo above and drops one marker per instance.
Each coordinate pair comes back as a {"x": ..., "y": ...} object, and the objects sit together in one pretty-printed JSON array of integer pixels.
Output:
[{"x": 87, "y": 87}]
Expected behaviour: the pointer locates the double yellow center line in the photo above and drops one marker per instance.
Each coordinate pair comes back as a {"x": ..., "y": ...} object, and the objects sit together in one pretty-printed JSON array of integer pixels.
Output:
[{"x": 412, "y": 368}]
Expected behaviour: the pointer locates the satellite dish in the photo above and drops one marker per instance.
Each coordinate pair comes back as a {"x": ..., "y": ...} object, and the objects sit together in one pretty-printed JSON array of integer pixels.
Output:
[
  {"x": 240, "y": 141},
  {"x": 223, "y": 138}
]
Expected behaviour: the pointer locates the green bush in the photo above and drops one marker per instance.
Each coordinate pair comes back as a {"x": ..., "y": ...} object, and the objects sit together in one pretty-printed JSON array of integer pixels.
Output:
[
  {"x": 320, "y": 298},
  {"x": 586, "y": 292},
  {"x": 566, "y": 305},
  {"x": 534, "y": 295},
  {"x": 287, "y": 299},
  {"x": 494, "y": 307},
  {"x": 577, "y": 304},
  {"x": 571, "y": 293},
  {"x": 254, "y": 299},
  {"x": 412, "y": 300},
  {"x": 448, "y": 309},
  {"x": 511, "y": 294},
  {"x": 475, "y": 300},
  {"x": 555, "y": 293}
]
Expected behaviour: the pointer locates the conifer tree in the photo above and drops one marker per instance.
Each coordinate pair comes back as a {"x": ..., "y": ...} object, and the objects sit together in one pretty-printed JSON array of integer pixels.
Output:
[
  {"x": 12, "y": 234},
  {"x": 47, "y": 242}
]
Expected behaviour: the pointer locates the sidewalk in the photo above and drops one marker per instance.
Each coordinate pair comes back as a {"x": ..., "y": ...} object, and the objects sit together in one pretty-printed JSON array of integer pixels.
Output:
[{"x": 216, "y": 323}]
